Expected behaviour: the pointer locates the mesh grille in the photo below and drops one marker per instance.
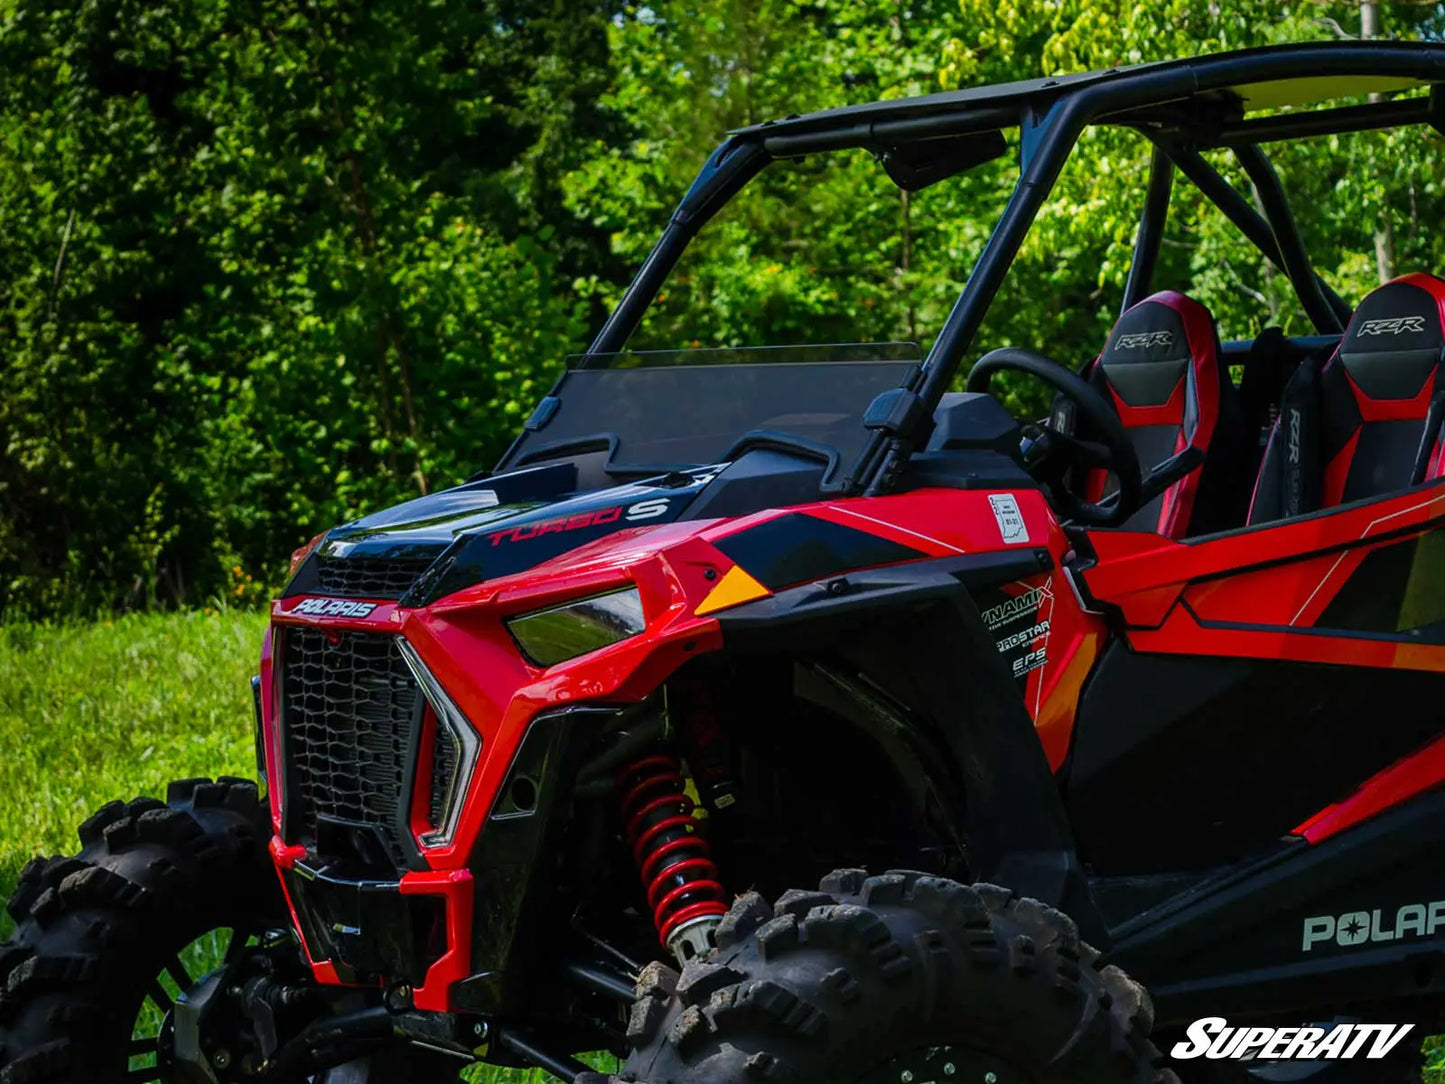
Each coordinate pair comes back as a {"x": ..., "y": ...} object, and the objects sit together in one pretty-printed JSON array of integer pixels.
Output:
[
  {"x": 349, "y": 705},
  {"x": 370, "y": 577},
  {"x": 443, "y": 774}
]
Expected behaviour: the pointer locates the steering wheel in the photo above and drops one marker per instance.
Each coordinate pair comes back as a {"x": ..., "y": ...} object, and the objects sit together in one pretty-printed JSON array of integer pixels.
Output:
[{"x": 1049, "y": 453}]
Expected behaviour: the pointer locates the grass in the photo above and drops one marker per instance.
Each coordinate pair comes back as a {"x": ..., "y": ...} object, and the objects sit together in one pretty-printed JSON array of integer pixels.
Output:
[
  {"x": 112, "y": 710},
  {"x": 118, "y": 708}
]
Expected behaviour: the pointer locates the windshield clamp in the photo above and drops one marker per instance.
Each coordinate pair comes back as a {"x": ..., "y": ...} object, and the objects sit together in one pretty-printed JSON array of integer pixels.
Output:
[{"x": 898, "y": 412}]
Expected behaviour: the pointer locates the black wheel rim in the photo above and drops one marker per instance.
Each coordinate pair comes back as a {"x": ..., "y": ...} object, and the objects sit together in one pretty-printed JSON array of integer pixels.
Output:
[
  {"x": 150, "y": 1051},
  {"x": 944, "y": 1065}
]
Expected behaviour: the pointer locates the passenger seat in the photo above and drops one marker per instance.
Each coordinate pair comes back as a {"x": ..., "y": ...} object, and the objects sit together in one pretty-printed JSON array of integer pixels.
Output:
[{"x": 1358, "y": 427}]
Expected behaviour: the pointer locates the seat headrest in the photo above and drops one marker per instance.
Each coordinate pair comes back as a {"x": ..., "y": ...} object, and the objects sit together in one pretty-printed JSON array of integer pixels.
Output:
[
  {"x": 1395, "y": 339},
  {"x": 1151, "y": 346}
]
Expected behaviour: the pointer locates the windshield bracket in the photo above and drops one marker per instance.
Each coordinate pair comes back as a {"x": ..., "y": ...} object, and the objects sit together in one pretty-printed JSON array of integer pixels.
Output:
[{"x": 898, "y": 412}]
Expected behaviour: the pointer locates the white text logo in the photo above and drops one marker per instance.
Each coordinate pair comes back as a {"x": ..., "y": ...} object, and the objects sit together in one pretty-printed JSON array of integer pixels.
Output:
[
  {"x": 1359, "y": 927},
  {"x": 1145, "y": 339},
  {"x": 1212, "y": 1037},
  {"x": 333, "y": 607},
  {"x": 1392, "y": 326}
]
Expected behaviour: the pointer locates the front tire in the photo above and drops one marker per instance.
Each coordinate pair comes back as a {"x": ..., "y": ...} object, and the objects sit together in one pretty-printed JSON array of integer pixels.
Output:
[
  {"x": 898, "y": 977},
  {"x": 97, "y": 957}
]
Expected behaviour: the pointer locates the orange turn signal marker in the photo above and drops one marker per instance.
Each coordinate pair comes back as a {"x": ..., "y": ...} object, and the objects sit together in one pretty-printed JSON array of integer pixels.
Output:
[{"x": 733, "y": 589}]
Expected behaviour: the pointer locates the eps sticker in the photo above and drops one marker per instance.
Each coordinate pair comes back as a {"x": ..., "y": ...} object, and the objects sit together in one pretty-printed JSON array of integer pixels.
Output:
[
  {"x": 333, "y": 607},
  {"x": 1010, "y": 519}
]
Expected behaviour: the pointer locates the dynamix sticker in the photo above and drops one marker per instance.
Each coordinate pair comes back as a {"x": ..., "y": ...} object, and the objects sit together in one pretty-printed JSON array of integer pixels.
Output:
[
  {"x": 1018, "y": 606},
  {"x": 333, "y": 607},
  {"x": 1364, "y": 927},
  {"x": 1017, "y": 625},
  {"x": 1212, "y": 1037}
]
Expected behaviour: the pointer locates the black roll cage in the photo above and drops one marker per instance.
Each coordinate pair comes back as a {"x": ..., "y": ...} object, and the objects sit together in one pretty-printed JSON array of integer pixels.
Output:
[{"x": 1183, "y": 107}]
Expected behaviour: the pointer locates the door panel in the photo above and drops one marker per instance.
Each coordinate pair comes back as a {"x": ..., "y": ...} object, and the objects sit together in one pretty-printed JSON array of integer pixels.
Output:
[{"x": 1259, "y": 677}]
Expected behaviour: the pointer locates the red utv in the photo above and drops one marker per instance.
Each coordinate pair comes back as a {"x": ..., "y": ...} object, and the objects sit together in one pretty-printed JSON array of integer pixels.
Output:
[{"x": 554, "y": 758}]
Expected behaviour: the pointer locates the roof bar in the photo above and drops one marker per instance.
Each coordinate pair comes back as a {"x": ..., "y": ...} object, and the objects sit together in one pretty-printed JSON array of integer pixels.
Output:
[
  {"x": 1291, "y": 245},
  {"x": 729, "y": 168},
  {"x": 1151, "y": 229},
  {"x": 1245, "y": 218},
  {"x": 902, "y": 130},
  {"x": 1320, "y": 122}
]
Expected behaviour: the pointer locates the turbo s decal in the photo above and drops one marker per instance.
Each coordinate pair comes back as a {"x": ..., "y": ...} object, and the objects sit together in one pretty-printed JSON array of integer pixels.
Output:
[{"x": 332, "y": 607}]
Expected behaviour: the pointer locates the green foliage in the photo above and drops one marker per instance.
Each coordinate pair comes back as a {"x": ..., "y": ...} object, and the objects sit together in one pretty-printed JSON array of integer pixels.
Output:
[{"x": 264, "y": 266}]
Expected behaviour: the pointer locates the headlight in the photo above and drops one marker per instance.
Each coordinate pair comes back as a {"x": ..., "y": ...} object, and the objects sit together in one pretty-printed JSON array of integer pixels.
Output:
[
  {"x": 575, "y": 628},
  {"x": 449, "y": 782}
]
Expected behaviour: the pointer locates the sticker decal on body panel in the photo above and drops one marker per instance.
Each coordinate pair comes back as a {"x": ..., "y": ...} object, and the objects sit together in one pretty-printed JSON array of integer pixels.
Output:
[
  {"x": 1021, "y": 630},
  {"x": 1010, "y": 520}
]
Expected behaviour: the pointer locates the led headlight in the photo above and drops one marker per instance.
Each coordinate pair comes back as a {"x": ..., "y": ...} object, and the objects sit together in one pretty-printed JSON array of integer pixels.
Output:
[
  {"x": 574, "y": 628},
  {"x": 451, "y": 775}
]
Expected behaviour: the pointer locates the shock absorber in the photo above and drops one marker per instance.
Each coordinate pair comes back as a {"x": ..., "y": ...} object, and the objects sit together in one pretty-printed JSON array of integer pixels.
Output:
[{"x": 678, "y": 873}]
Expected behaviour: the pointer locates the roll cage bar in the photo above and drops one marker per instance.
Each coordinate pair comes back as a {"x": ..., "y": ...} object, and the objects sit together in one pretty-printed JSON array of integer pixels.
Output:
[{"x": 1183, "y": 107}]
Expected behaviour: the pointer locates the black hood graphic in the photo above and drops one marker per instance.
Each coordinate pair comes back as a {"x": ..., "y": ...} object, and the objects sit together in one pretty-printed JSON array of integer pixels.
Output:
[{"x": 446, "y": 541}]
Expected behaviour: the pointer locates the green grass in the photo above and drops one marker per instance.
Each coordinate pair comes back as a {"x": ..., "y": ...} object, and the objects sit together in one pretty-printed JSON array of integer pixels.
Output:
[
  {"x": 112, "y": 710},
  {"x": 116, "y": 709}
]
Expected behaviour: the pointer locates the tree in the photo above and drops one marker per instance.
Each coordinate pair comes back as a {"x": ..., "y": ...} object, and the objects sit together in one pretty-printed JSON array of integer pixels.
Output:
[{"x": 266, "y": 264}]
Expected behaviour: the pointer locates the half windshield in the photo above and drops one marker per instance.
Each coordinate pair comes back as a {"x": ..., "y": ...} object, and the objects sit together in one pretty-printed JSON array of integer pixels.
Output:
[{"x": 654, "y": 411}]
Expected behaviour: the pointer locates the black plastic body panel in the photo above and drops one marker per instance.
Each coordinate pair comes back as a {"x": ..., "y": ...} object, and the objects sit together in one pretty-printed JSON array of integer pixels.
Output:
[
  {"x": 367, "y": 929},
  {"x": 916, "y": 631},
  {"x": 506, "y": 861},
  {"x": 1187, "y": 763},
  {"x": 1358, "y": 919}
]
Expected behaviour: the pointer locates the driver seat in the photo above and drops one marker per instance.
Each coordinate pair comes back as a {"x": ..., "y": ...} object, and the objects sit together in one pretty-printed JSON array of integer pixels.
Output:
[{"x": 1161, "y": 369}]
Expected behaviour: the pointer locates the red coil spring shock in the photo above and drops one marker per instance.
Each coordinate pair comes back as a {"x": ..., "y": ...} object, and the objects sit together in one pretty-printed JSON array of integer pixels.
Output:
[{"x": 678, "y": 872}]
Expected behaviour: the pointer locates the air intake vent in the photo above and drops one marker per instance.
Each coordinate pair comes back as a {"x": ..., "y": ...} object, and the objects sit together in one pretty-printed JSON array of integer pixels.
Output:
[
  {"x": 349, "y": 706},
  {"x": 445, "y": 756},
  {"x": 370, "y": 577}
]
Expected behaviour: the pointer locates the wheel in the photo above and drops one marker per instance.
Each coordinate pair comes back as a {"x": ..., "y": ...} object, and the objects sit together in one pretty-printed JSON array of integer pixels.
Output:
[
  {"x": 901, "y": 977},
  {"x": 107, "y": 940}
]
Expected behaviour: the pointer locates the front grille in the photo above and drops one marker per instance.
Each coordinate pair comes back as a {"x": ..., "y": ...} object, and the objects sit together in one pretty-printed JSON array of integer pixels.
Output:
[
  {"x": 350, "y": 706},
  {"x": 370, "y": 577}
]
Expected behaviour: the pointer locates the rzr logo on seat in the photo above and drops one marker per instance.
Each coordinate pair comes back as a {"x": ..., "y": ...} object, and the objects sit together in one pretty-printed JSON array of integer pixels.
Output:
[
  {"x": 1144, "y": 339},
  {"x": 333, "y": 607},
  {"x": 1393, "y": 326}
]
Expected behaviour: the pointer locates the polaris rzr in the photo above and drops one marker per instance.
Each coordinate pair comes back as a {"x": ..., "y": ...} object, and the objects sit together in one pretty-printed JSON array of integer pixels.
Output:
[{"x": 1046, "y": 711}]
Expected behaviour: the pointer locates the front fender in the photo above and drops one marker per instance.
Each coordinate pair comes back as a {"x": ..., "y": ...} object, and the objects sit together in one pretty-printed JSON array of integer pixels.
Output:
[{"x": 915, "y": 630}]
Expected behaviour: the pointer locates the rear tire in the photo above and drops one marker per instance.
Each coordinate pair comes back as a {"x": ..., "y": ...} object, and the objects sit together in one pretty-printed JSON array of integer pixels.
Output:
[
  {"x": 897, "y": 977},
  {"x": 95, "y": 931}
]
